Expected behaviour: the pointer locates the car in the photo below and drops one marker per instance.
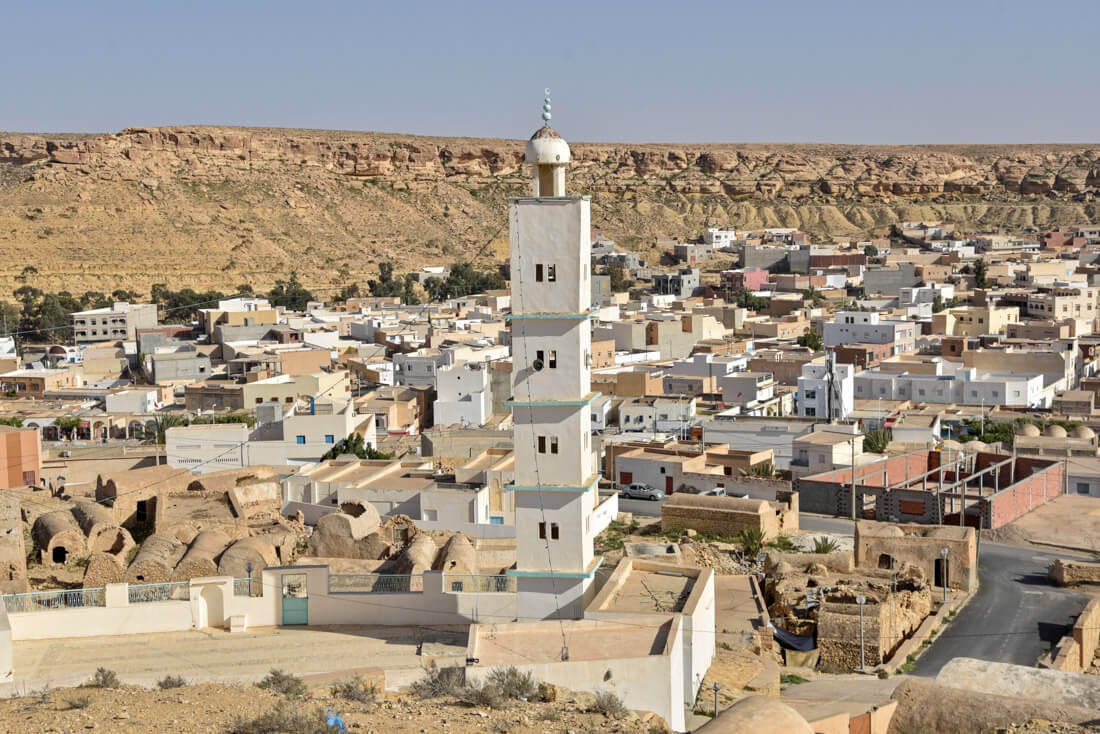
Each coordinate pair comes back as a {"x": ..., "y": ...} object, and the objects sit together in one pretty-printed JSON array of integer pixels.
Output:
[
  {"x": 716, "y": 492},
  {"x": 642, "y": 492}
]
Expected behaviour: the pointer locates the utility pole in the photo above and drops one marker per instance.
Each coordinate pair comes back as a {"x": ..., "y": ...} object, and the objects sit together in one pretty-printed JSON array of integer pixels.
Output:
[
  {"x": 861, "y": 600},
  {"x": 853, "y": 458}
]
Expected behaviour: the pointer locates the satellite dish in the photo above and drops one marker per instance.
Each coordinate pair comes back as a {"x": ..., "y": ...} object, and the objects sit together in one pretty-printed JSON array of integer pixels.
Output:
[{"x": 537, "y": 364}]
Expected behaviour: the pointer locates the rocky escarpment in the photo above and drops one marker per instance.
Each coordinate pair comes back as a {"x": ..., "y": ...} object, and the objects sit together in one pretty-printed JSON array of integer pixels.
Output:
[{"x": 204, "y": 206}]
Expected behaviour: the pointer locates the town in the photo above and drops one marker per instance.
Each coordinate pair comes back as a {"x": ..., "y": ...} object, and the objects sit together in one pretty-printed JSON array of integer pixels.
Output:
[{"x": 820, "y": 486}]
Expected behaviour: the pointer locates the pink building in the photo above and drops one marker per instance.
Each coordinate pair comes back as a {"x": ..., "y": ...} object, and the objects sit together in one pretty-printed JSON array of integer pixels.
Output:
[{"x": 749, "y": 279}]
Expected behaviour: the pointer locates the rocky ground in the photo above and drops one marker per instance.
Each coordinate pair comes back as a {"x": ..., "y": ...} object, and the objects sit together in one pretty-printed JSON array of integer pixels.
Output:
[
  {"x": 211, "y": 708},
  {"x": 216, "y": 206}
]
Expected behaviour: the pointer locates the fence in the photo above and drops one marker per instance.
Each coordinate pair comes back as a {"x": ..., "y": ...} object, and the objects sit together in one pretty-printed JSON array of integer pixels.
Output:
[
  {"x": 374, "y": 583},
  {"x": 461, "y": 582},
  {"x": 41, "y": 601},
  {"x": 172, "y": 591},
  {"x": 248, "y": 586}
]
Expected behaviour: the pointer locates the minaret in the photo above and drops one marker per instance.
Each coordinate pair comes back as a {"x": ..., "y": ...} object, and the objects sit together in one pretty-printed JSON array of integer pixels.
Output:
[{"x": 555, "y": 487}]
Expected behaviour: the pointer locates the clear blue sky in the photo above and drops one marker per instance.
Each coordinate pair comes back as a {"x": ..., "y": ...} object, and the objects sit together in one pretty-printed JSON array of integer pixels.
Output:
[{"x": 858, "y": 72}]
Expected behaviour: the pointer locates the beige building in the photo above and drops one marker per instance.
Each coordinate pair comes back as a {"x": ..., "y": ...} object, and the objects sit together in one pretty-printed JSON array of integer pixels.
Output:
[
  {"x": 975, "y": 320},
  {"x": 287, "y": 389},
  {"x": 117, "y": 322}
]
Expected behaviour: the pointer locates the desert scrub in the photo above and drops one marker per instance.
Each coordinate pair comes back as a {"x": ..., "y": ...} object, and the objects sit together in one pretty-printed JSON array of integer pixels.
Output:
[{"x": 283, "y": 683}]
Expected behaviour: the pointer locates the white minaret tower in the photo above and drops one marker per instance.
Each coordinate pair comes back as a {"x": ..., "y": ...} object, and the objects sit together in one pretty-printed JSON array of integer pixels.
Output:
[{"x": 555, "y": 486}]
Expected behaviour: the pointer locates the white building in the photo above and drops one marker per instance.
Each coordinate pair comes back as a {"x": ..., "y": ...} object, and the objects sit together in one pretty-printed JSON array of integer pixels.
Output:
[
  {"x": 464, "y": 396},
  {"x": 826, "y": 391},
  {"x": 556, "y": 480},
  {"x": 117, "y": 322},
  {"x": 132, "y": 401},
  {"x": 658, "y": 415},
  {"x": 719, "y": 238},
  {"x": 302, "y": 435},
  {"x": 601, "y": 412},
  {"x": 865, "y": 327},
  {"x": 912, "y": 295},
  {"x": 967, "y": 386},
  {"x": 705, "y": 364}
]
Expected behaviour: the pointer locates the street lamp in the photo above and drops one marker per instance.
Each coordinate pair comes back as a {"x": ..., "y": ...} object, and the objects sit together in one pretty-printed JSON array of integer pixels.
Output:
[
  {"x": 943, "y": 571},
  {"x": 861, "y": 600},
  {"x": 716, "y": 686}
]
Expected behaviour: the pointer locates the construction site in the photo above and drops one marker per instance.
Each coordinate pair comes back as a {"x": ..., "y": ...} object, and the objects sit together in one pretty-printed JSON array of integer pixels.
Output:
[{"x": 980, "y": 489}]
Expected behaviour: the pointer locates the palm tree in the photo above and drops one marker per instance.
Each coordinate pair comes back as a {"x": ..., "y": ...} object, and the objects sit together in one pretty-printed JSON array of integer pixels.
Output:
[{"x": 162, "y": 423}]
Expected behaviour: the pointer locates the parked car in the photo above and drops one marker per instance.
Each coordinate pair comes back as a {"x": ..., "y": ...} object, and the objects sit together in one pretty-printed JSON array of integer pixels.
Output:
[
  {"x": 715, "y": 492},
  {"x": 642, "y": 492}
]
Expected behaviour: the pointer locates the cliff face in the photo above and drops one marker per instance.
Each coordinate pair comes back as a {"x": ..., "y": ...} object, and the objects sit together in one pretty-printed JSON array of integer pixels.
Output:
[{"x": 215, "y": 207}]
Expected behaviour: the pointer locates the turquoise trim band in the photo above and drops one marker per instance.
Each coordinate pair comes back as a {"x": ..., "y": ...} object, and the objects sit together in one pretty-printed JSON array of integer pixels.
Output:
[
  {"x": 552, "y": 487},
  {"x": 579, "y": 316},
  {"x": 586, "y": 400},
  {"x": 556, "y": 574}
]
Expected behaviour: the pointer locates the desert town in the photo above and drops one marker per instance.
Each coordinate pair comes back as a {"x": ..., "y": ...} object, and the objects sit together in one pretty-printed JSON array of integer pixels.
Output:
[{"x": 760, "y": 484}]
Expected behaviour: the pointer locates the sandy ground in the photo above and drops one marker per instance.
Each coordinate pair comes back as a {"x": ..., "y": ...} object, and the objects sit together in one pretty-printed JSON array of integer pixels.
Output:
[
  {"x": 1070, "y": 521},
  {"x": 211, "y": 708}
]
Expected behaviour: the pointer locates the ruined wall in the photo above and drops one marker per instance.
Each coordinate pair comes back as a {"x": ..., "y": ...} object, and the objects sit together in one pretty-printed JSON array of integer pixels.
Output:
[
  {"x": 886, "y": 622},
  {"x": 1064, "y": 572},
  {"x": 714, "y": 521}
]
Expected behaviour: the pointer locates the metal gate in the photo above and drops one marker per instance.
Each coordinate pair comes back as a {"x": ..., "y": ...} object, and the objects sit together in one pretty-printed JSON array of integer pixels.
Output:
[{"x": 295, "y": 599}]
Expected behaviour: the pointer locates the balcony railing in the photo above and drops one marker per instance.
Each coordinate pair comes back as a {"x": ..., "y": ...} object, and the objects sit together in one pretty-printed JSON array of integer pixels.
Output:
[
  {"x": 375, "y": 583},
  {"x": 172, "y": 591},
  {"x": 44, "y": 601},
  {"x": 461, "y": 582}
]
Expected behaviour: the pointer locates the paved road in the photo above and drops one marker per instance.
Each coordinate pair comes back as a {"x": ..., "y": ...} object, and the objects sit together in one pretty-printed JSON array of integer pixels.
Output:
[{"x": 1015, "y": 616}]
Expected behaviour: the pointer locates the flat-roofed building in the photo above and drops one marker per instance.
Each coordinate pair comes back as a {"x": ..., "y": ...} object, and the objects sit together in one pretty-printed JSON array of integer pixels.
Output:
[{"x": 117, "y": 322}]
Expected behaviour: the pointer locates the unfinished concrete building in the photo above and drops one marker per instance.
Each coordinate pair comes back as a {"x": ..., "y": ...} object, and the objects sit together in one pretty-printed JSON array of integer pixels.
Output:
[
  {"x": 59, "y": 538},
  {"x": 981, "y": 489},
  {"x": 888, "y": 546},
  {"x": 13, "y": 551},
  {"x": 155, "y": 560},
  {"x": 729, "y": 515}
]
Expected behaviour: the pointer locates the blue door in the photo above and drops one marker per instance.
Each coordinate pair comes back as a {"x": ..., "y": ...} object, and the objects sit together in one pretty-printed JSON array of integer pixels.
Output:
[{"x": 295, "y": 599}]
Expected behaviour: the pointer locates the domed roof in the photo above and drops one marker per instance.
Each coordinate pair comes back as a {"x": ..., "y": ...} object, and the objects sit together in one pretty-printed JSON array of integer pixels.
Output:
[
  {"x": 1028, "y": 429},
  {"x": 1083, "y": 432},
  {"x": 760, "y": 715},
  {"x": 547, "y": 147},
  {"x": 1056, "y": 431}
]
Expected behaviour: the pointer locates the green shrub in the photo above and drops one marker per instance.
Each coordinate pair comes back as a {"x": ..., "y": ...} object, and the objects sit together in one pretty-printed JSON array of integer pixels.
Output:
[
  {"x": 782, "y": 543},
  {"x": 439, "y": 682},
  {"x": 356, "y": 689},
  {"x": 171, "y": 681},
  {"x": 792, "y": 679},
  {"x": 483, "y": 695},
  {"x": 884, "y": 674},
  {"x": 104, "y": 678},
  {"x": 80, "y": 702},
  {"x": 281, "y": 720},
  {"x": 514, "y": 684},
  {"x": 609, "y": 704},
  {"x": 283, "y": 683},
  {"x": 825, "y": 545},
  {"x": 751, "y": 540}
]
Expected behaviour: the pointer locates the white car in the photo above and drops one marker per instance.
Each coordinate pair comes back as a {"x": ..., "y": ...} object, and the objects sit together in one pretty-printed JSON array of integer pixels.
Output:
[{"x": 642, "y": 492}]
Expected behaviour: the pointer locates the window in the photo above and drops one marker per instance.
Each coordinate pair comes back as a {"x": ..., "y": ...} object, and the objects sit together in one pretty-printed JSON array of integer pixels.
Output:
[
  {"x": 542, "y": 531},
  {"x": 812, "y": 394},
  {"x": 259, "y": 400},
  {"x": 542, "y": 444},
  {"x": 1082, "y": 488},
  {"x": 553, "y": 531},
  {"x": 552, "y": 362},
  {"x": 811, "y": 412},
  {"x": 551, "y": 273},
  {"x": 329, "y": 438},
  {"x": 538, "y": 273},
  {"x": 553, "y": 444},
  {"x": 300, "y": 440}
]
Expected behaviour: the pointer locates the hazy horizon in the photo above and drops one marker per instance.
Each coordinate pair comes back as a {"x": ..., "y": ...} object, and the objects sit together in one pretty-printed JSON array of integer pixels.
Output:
[{"x": 854, "y": 73}]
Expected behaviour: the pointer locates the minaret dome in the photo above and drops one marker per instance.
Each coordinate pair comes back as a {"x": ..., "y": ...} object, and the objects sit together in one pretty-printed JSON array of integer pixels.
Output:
[{"x": 549, "y": 154}]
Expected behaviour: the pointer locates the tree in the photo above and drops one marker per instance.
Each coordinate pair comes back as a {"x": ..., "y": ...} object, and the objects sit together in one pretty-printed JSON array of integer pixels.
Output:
[
  {"x": 876, "y": 441},
  {"x": 355, "y": 445},
  {"x": 413, "y": 293},
  {"x": 348, "y": 291},
  {"x": 813, "y": 295},
  {"x": 619, "y": 281},
  {"x": 938, "y": 304},
  {"x": 290, "y": 294},
  {"x": 121, "y": 294},
  {"x": 981, "y": 271},
  {"x": 744, "y": 299},
  {"x": 10, "y": 315},
  {"x": 27, "y": 271},
  {"x": 870, "y": 251},
  {"x": 810, "y": 339},
  {"x": 385, "y": 285},
  {"x": 163, "y": 422},
  {"x": 66, "y": 425}
]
